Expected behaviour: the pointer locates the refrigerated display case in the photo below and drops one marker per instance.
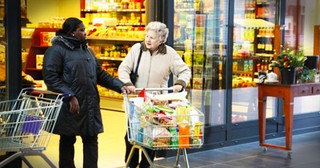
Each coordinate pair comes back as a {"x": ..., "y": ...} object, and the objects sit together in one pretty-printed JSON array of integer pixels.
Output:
[
  {"x": 254, "y": 47},
  {"x": 254, "y": 40},
  {"x": 200, "y": 36}
]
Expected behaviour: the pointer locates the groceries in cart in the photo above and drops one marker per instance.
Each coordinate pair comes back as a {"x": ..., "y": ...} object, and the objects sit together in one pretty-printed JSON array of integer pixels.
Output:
[{"x": 164, "y": 121}]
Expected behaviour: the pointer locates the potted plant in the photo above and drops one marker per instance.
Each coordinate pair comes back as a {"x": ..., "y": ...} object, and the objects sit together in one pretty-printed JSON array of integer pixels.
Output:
[
  {"x": 287, "y": 62},
  {"x": 305, "y": 75}
]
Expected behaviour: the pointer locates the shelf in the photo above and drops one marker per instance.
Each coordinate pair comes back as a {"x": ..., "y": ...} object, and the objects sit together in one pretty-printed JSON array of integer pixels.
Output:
[
  {"x": 131, "y": 24},
  {"x": 263, "y": 4},
  {"x": 246, "y": 58},
  {"x": 26, "y": 38},
  {"x": 243, "y": 42},
  {"x": 111, "y": 10},
  {"x": 254, "y": 23},
  {"x": 264, "y": 55},
  {"x": 184, "y": 10},
  {"x": 34, "y": 69},
  {"x": 243, "y": 72},
  {"x": 114, "y": 39},
  {"x": 265, "y": 36},
  {"x": 109, "y": 58}
]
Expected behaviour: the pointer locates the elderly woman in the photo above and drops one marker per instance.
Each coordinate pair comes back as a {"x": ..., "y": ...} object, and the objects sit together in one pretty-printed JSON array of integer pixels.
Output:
[{"x": 158, "y": 61}]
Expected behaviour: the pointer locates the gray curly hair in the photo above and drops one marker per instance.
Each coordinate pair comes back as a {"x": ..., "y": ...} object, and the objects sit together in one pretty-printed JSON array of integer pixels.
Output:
[{"x": 160, "y": 28}]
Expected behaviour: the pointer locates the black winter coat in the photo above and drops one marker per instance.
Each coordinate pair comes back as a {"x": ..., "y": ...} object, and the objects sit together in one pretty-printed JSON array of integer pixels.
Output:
[{"x": 70, "y": 67}]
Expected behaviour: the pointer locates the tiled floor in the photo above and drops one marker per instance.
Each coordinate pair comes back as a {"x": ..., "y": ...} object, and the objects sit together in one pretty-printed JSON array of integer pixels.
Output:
[{"x": 305, "y": 153}]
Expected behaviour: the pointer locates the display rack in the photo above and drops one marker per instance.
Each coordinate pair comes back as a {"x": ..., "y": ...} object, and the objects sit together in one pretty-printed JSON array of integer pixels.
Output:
[
  {"x": 255, "y": 39},
  {"x": 36, "y": 48},
  {"x": 114, "y": 27}
]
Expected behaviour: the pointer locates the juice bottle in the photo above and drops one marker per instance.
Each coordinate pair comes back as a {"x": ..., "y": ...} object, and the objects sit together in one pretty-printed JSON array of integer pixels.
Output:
[{"x": 184, "y": 135}]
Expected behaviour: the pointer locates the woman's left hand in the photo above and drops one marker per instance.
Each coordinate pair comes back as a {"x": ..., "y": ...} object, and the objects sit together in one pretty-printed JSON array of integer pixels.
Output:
[{"x": 177, "y": 88}]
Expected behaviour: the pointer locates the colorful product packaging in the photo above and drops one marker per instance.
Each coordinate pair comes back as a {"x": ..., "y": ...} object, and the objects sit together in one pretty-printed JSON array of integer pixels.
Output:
[{"x": 184, "y": 135}]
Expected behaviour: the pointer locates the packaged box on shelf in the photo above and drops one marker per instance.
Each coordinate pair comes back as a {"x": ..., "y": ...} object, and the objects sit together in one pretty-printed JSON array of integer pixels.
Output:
[
  {"x": 197, "y": 83},
  {"x": 39, "y": 60},
  {"x": 45, "y": 38}
]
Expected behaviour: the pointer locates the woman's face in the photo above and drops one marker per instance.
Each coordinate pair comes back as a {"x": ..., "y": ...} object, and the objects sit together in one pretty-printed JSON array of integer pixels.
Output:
[
  {"x": 80, "y": 33},
  {"x": 152, "y": 40}
]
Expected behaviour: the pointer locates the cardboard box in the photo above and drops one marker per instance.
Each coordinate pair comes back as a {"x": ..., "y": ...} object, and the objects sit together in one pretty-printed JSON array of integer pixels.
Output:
[
  {"x": 39, "y": 60},
  {"x": 45, "y": 38}
]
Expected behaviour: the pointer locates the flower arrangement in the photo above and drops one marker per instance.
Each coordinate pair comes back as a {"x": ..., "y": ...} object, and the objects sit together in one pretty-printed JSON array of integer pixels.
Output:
[
  {"x": 289, "y": 58},
  {"x": 305, "y": 75}
]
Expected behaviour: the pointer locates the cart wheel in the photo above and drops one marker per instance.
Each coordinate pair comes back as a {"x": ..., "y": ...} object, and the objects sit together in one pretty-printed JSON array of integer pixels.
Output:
[
  {"x": 177, "y": 166},
  {"x": 265, "y": 149},
  {"x": 290, "y": 154}
]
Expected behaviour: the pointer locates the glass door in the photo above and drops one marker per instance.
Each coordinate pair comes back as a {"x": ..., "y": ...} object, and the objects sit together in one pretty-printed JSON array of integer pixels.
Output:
[
  {"x": 253, "y": 50},
  {"x": 200, "y": 36}
]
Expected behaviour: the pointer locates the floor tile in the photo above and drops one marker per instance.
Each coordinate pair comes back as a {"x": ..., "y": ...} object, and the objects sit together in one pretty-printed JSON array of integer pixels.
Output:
[{"x": 305, "y": 151}]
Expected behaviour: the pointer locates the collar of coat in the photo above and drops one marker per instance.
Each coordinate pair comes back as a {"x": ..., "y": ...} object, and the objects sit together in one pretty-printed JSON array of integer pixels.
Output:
[
  {"x": 69, "y": 42},
  {"x": 161, "y": 49}
]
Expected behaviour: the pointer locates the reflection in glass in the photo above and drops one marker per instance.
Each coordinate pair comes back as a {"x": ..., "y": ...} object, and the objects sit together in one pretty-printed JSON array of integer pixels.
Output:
[
  {"x": 200, "y": 37},
  {"x": 253, "y": 50}
]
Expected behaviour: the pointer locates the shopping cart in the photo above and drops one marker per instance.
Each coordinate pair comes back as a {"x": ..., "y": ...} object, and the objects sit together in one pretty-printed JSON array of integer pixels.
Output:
[
  {"x": 163, "y": 121},
  {"x": 2, "y": 93},
  {"x": 26, "y": 124}
]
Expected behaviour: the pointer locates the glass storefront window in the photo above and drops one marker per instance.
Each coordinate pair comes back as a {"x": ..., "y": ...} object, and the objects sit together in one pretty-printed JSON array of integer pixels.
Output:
[
  {"x": 300, "y": 21},
  {"x": 200, "y": 36},
  {"x": 253, "y": 50}
]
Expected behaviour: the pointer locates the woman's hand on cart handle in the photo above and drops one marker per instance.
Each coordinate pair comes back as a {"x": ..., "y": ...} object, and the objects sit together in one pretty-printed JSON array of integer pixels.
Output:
[
  {"x": 177, "y": 88},
  {"x": 74, "y": 105},
  {"x": 128, "y": 89}
]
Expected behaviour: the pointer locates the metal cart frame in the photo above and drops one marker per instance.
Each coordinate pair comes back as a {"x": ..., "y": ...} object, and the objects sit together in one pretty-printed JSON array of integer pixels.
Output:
[
  {"x": 26, "y": 124},
  {"x": 144, "y": 128}
]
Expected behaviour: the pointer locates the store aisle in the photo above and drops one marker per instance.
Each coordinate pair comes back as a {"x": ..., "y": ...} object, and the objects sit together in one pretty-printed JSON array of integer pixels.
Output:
[{"x": 111, "y": 144}]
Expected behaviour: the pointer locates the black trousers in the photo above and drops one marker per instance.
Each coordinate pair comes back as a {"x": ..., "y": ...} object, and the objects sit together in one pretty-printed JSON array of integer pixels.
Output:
[
  {"x": 135, "y": 157},
  {"x": 90, "y": 151}
]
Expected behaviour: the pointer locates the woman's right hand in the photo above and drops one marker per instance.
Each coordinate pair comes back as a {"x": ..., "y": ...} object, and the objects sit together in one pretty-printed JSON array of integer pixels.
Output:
[
  {"x": 74, "y": 105},
  {"x": 128, "y": 89}
]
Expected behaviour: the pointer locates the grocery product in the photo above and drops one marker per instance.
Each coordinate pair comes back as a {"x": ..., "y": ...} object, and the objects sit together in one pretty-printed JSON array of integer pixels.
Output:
[{"x": 184, "y": 135}]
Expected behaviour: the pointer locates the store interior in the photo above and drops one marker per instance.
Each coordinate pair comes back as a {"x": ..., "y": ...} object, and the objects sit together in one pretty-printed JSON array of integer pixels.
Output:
[
  {"x": 111, "y": 144},
  {"x": 110, "y": 47}
]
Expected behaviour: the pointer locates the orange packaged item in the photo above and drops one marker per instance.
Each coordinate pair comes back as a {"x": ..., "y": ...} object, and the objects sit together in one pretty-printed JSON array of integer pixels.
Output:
[
  {"x": 45, "y": 38},
  {"x": 184, "y": 141}
]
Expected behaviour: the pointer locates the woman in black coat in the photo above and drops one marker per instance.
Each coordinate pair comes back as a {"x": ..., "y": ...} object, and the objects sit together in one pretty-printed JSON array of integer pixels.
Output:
[{"x": 70, "y": 67}]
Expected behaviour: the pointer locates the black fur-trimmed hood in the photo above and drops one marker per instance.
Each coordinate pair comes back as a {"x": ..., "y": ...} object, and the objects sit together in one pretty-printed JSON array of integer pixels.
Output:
[{"x": 69, "y": 42}]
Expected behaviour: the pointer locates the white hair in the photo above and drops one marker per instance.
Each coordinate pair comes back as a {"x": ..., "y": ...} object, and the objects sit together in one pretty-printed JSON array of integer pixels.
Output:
[{"x": 160, "y": 28}]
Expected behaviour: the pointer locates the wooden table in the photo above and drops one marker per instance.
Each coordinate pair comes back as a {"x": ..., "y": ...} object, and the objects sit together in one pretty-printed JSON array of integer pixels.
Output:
[{"x": 287, "y": 93}]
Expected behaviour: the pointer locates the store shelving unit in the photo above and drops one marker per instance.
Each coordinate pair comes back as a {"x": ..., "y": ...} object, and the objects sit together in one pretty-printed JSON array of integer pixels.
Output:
[
  {"x": 254, "y": 38},
  {"x": 36, "y": 48},
  {"x": 116, "y": 27}
]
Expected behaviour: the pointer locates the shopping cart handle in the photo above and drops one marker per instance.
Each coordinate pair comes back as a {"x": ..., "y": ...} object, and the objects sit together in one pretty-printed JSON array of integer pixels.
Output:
[
  {"x": 154, "y": 89},
  {"x": 31, "y": 89}
]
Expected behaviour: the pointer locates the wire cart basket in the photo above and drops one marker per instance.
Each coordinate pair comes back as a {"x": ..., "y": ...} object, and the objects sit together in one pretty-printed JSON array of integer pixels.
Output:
[
  {"x": 26, "y": 124},
  {"x": 2, "y": 93},
  {"x": 163, "y": 121}
]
